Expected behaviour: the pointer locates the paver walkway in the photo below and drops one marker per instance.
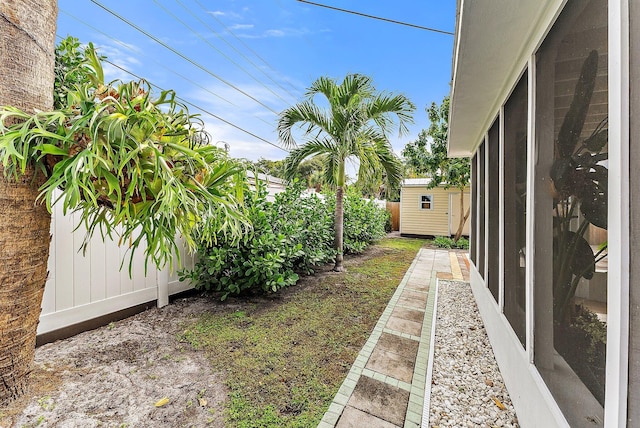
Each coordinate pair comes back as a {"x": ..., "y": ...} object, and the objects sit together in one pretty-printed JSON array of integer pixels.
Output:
[{"x": 385, "y": 387}]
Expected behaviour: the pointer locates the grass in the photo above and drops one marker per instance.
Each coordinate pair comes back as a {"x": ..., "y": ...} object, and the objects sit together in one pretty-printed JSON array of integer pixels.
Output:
[{"x": 285, "y": 356}]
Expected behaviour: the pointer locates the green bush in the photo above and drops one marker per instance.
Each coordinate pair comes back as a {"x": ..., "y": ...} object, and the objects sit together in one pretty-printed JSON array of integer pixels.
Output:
[
  {"x": 364, "y": 221},
  {"x": 290, "y": 235},
  {"x": 446, "y": 242}
]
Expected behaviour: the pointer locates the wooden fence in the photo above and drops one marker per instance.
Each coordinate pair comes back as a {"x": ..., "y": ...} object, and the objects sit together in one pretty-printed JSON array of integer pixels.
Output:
[{"x": 394, "y": 209}]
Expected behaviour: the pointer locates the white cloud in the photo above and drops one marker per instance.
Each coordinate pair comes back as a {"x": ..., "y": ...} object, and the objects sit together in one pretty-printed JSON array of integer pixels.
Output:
[
  {"x": 218, "y": 13},
  {"x": 119, "y": 53},
  {"x": 242, "y": 26},
  {"x": 278, "y": 32}
]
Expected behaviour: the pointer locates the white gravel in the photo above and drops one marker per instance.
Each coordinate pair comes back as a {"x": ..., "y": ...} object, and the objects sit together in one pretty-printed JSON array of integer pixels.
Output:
[{"x": 467, "y": 389}]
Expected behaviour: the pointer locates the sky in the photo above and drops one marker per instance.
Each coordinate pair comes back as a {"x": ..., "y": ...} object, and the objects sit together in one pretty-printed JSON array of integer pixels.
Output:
[{"x": 245, "y": 61}]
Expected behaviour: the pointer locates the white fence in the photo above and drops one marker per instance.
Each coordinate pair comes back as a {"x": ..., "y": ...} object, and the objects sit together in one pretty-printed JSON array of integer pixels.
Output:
[{"x": 83, "y": 287}]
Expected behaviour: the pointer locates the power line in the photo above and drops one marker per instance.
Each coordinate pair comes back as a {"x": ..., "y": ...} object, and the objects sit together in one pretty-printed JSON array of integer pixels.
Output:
[
  {"x": 184, "y": 101},
  {"x": 186, "y": 58},
  {"x": 242, "y": 42},
  {"x": 198, "y": 107},
  {"x": 235, "y": 49},
  {"x": 420, "y": 27},
  {"x": 185, "y": 78},
  {"x": 216, "y": 49}
]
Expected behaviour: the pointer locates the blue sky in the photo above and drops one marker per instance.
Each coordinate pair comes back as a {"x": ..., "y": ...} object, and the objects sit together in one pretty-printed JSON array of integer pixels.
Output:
[{"x": 271, "y": 50}]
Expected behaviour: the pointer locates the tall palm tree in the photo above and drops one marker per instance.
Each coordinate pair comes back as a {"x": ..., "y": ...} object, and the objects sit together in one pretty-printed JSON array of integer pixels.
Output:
[
  {"x": 354, "y": 126},
  {"x": 27, "y": 35}
]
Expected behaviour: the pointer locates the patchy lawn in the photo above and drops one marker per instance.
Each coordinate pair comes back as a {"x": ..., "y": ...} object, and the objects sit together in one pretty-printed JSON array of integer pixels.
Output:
[{"x": 286, "y": 357}]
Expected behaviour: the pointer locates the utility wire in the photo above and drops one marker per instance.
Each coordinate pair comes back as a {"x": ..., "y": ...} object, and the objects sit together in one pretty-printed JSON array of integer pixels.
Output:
[
  {"x": 243, "y": 43},
  {"x": 420, "y": 27},
  {"x": 216, "y": 49},
  {"x": 199, "y": 108},
  {"x": 295, "y": 97},
  {"x": 186, "y": 58},
  {"x": 185, "y": 78},
  {"x": 184, "y": 101}
]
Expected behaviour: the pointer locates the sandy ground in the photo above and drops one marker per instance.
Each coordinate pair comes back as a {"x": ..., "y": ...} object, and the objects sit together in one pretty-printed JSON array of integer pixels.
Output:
[{"x": 115, "y": 375}]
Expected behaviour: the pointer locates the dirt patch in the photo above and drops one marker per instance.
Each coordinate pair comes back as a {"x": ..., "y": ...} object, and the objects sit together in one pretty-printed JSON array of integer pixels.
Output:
[{"x": 114, "y": 376}]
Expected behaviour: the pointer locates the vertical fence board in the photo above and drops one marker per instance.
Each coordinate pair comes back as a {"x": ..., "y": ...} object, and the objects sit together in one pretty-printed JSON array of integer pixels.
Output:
[{"x": 394, "y": 209}]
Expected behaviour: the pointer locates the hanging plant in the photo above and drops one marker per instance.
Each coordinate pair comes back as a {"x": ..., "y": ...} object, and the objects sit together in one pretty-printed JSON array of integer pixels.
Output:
[{"x": 136, "y": 167}]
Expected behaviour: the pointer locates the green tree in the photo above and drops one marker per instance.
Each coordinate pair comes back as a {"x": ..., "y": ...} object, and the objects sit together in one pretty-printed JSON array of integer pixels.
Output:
[
  {"x": 428, "y": 156},
  {"x": 354, "y": 125},
  {"x": 274, "y": 168},
  {"x": 136, "y": 167}
]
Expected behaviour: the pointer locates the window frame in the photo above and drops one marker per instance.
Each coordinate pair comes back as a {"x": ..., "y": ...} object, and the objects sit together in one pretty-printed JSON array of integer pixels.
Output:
[{"x": 421, "y": 202}]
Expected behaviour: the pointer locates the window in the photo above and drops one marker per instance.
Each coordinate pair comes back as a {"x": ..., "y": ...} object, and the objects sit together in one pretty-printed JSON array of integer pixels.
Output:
[
  {"x": 493, "y": 211},
  {"x": 570, "y": 210},
  {"x": 481, "y": 209},
  {"x": 426, "y": 202},
  {"x": 515, "y": 207},
  {"x": 473, "y": 243}
]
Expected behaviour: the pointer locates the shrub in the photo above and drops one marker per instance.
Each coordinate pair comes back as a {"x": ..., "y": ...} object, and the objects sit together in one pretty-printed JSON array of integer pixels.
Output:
[
  {"x": 364, "y": 221},
  {"x": 290, "y": 235},
  {"x": 443, "y": 242},
  {"x": 446, "y": 242}
]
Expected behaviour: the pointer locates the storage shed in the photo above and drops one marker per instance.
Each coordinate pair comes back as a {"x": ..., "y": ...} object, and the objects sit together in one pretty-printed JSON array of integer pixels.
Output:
[{"x": 430, "y": 212}]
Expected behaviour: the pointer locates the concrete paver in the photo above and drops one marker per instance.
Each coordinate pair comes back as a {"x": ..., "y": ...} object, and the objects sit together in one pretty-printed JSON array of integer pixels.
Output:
[
  {"x": 386, "y": 385},
  {"x": 381, "y": 400},
  {"x": 354, "y": 418}
]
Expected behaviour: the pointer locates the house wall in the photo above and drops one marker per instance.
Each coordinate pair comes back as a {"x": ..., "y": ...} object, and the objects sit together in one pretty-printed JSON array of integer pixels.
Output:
[
  {"x": 545, "y": 389},
  {"x": 417, "y": 221}
]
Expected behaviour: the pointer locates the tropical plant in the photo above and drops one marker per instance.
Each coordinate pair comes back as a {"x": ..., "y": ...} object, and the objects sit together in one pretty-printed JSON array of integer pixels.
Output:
[
  {"x": 354, "y": 126},
  {"x": 428, "y": 156},
  {"x": 136, "y": 167},
  {"x": 579, "y": 177}
]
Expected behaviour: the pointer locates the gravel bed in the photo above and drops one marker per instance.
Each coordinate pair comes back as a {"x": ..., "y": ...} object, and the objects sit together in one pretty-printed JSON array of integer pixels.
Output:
[{"x": 467, "y": 389}]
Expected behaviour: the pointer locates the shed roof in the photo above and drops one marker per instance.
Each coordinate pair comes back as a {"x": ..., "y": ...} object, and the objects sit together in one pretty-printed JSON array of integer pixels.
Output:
[{"x": 416, "y": 182}]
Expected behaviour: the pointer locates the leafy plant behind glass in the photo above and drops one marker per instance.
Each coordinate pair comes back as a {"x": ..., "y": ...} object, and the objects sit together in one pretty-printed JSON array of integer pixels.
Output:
[{"x": 580, "y": 187}]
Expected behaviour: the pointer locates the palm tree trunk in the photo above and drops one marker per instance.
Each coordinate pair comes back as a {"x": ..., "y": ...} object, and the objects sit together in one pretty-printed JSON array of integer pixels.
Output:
[
  {"x": 339, "y": 229},
  {"x": 339, "y": 222},
  {"x": 27, "y": 35}
]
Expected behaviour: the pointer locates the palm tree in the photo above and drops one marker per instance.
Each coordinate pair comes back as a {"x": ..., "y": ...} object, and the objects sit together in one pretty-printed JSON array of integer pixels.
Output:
[
  {"x": 355, "y": 126},
  {"x": 27, "y": 31}
]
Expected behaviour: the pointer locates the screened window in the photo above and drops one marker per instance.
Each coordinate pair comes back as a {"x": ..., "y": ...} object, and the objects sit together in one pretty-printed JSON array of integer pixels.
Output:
[
  {"x": 473, "y": 245},
  {"x": 426, "y": 202},
  {"x": 481, "y": 210},
  {"x": 634, "y": 219},
  {"x": 493, "y": 210},
  {"x": 571, "y": 210},
  {"x": 515, "y": 207}
]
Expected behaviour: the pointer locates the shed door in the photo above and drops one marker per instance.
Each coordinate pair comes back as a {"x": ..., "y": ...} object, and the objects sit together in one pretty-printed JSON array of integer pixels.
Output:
[{"x": 454, "y": 213}]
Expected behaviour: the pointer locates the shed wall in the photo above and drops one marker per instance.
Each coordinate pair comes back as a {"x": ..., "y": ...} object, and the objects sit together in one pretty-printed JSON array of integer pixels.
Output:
[{"x": 416, "y": 221}]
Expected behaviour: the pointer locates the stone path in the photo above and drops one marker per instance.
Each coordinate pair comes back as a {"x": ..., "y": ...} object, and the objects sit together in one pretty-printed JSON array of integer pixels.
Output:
[{"x": 385, "y": 387}]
